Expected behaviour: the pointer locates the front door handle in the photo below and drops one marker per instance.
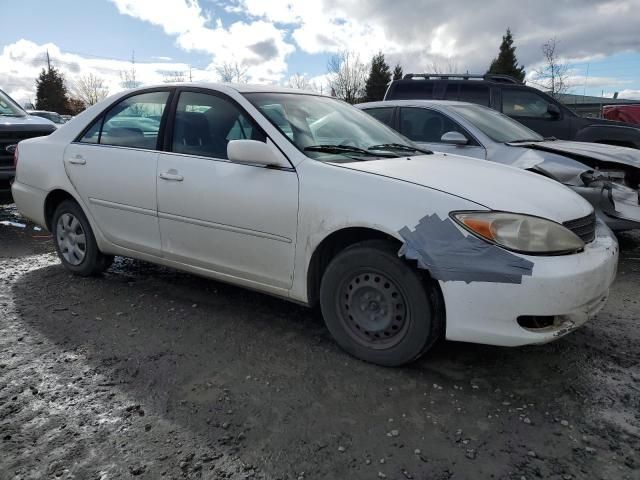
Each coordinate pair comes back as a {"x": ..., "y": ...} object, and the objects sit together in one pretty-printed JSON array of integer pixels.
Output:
[
  {"x": 77, "y": 160},
  {"x": 171, "y": 175}
]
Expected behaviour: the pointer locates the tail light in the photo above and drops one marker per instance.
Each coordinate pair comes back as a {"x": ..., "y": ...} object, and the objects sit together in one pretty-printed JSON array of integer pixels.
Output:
[{"x": 15, "y": 157}]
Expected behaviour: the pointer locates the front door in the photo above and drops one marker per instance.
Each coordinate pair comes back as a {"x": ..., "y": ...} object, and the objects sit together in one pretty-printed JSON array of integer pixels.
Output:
[
  {"x": 234, "y": 219},
  {"x": 113, "y": 168}
]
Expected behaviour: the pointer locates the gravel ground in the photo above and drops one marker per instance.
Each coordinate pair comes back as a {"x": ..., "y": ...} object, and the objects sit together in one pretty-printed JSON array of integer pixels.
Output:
[{"x": 150, "y": 373}]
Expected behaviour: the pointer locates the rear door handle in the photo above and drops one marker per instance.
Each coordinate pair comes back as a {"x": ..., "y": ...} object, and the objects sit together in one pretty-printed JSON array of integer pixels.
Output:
[
  {"x": 77, "y": 160},
  {"x": 171, "y": 176}
]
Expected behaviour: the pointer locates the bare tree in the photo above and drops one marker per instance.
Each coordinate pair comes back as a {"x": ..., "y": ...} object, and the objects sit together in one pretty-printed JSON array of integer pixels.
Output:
[
  {"x": 90, "y": 89},
  {"x": 128, "y": 78},
  {"x": 173, "y": 77},
  {"x": 441, "y": 68},
  {"x": 302, "y": 82},
  {"x": 232, "y": 72},
  {"x": 553, "y": 75},
  {"x": 347, "y": 76},
  {"x": 299, "y": 81}
]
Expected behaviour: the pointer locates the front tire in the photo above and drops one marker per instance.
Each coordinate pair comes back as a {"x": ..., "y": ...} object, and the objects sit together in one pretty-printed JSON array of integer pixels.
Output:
[
  {"x": 75, "y": 243},
  {"x": 377, "y": 307}
]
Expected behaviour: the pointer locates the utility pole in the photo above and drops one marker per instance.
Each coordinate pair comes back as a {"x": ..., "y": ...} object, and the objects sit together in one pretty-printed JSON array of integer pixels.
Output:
[
  {"x": 48, "y": 61},
  {"x": 190, "y": 77}
]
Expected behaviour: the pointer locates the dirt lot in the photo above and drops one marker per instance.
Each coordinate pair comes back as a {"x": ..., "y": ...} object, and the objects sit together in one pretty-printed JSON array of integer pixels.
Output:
[{"x": 150, "y": 373}]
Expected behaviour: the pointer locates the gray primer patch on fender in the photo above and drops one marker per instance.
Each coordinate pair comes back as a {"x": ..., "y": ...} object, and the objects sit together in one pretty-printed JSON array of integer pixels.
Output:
[{"x": 440, "y": 247}]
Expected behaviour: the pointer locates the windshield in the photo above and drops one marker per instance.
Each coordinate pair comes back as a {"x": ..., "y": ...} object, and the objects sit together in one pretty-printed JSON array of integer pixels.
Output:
[
  {"x": 9, "y": 108},
  {"x": 327, "y": 129},
  {"x": 495, "y": 125}
]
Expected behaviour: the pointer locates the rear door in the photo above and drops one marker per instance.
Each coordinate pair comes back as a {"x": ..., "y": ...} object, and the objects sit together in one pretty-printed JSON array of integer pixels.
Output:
[
  {"x": 532, "y": 109},
  {"x": 426, "y": 127},
  {"x": 113, "y": 167}
]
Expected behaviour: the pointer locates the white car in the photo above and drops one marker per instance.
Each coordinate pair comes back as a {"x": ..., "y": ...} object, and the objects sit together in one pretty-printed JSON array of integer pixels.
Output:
[{"x": 305, "y": 197}]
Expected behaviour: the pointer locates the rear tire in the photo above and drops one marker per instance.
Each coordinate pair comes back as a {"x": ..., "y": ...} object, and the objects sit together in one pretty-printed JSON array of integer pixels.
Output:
[
  {"x": 75, "y": 243},
  {"x": 377, "y": 307}
]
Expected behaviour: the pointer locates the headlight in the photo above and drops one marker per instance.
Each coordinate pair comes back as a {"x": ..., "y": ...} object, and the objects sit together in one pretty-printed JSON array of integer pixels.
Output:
[{"x": 520, "y": 233}]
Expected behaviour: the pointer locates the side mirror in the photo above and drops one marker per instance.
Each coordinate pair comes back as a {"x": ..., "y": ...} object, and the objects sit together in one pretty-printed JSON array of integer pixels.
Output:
[
  {"x": 553, "y": 110},
  {"x": 454, "y": 138},
  {"x": 255, "y": 153}
]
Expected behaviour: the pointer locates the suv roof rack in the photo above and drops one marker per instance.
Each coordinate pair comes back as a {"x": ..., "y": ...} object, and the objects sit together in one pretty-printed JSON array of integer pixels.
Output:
[{"x": 463, "y": 76}]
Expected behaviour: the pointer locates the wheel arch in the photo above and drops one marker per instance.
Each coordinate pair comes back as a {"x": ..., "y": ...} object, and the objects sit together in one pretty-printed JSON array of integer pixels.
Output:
[
  {"x": 330, "y": 246},
  {"x": 54, "y": 198}
]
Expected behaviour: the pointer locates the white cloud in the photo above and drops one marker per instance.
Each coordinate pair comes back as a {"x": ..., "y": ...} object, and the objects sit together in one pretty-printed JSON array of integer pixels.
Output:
[
  {"x": 22, "y": 61},
  {"x": 257, "y": 45}
]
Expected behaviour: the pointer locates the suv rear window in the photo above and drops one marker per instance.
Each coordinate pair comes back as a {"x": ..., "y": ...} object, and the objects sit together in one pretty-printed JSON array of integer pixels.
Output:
[{"x": 411, "y": 90}]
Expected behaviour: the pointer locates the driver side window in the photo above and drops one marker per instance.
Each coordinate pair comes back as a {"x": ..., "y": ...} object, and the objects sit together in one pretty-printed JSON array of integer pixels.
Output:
[
  {"x": 524, "y": 103},
  {"x": 425, "y": 125},
  {"x": 205, "y": 124}
]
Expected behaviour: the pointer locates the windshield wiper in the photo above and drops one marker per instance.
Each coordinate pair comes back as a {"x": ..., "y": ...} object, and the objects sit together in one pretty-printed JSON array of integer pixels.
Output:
[
  {"x": 398, "y": 146},
  {"x": 523, "y": 140},
  {"x": 343, "y": 149}
]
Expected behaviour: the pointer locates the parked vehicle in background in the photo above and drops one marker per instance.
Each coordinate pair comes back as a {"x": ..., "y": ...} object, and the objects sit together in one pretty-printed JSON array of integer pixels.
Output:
[
  {"x": 15, "y": 125},
  {"x": 606, "y": 175},
  {"x": 622, "y": 113},
  {"x": 529, "y": 106},
  {"x": 53, "y": 116},
  {"x": 305, "y": 197}
]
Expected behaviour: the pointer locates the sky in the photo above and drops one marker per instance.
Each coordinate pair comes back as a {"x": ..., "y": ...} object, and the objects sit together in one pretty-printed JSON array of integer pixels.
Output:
[{"x": 276, "y": 39}]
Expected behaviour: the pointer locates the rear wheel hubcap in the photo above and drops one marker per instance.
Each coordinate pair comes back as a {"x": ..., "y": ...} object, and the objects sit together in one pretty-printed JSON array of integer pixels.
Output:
[{"x": 71, "y": 239}]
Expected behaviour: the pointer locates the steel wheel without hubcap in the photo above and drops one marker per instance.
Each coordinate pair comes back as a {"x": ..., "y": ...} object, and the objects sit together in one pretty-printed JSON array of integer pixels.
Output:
[
  {"x": 71, "y": 239},
  {"x": 373, "y": 310}
]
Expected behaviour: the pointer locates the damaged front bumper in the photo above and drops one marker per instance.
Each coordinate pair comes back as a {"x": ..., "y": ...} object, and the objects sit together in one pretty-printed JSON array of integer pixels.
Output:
[
  {"x": 566, "y": 290},
  {"x": 617, "y": 205}
]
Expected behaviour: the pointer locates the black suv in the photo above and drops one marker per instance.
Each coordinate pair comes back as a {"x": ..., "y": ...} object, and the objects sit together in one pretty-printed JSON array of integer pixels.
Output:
[
  {"x": 529, "y": 106},
  {"x": 15, "y": 125}
]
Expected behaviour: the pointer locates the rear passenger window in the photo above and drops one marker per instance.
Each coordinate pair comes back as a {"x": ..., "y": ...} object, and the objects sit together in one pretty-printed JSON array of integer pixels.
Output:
[
  {"x": 411, "y": 90},
  {"x": 135, "y": 121},
  {"x": 383, "y": 115},
  {"x": 478, "y": 94},
  {"x": 205, "y": 124},
  {"x": 93, "y": 134}
]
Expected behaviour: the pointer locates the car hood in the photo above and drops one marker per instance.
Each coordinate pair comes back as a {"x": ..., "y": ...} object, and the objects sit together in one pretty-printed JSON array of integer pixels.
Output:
[
  {"x": 27, "y": 122},
  {"x": 588, "y": 153},
  {"x": 489, "y": 184}
]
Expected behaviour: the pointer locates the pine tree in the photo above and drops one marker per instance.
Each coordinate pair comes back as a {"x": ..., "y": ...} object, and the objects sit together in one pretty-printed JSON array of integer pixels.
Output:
[
  {"x": 397, "y": 72},
  {"x": 506, "y": 63},
  {"x": 379, "y": 77},
  {"x": 51, "y": 91}
]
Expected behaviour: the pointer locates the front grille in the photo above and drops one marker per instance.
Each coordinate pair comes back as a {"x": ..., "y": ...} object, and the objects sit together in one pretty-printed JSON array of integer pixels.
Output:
[
  {"x": 584, "y": 227},
  {"x": 11, "y": 138}
]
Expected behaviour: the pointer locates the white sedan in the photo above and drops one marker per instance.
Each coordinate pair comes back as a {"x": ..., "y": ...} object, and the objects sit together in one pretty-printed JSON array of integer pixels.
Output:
[{"x": 305, "y": 197}]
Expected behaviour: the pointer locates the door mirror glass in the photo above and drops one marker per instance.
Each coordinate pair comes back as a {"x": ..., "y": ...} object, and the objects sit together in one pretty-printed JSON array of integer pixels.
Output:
[
  {"x": 454, "y": 138},
  {"x": 253, "y": 152},
  {"x": 553, "y": 110}
]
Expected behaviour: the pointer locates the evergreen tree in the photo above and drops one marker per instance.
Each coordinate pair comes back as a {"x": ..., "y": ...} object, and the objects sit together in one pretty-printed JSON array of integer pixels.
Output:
[
  {"x": 379, "y": 77},
  {"x": 51, "y": 92},
  {"x": 506, "y": 63},
  {"x": 397, "y": 72}
]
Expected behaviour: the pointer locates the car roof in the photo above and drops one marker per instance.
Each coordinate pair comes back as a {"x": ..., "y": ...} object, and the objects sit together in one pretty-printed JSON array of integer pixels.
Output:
[
  {"x": 238, "y": 87},
  {"x": 414, "y": 103}
]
